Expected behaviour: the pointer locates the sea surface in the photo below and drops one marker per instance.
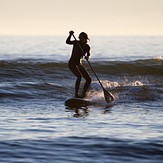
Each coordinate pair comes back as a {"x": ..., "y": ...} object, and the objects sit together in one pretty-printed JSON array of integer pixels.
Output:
[{"x": 35, "y": 125}]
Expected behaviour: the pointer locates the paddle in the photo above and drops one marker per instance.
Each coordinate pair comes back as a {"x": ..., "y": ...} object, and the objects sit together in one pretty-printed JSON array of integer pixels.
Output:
[{"x": 108, "y": 96}]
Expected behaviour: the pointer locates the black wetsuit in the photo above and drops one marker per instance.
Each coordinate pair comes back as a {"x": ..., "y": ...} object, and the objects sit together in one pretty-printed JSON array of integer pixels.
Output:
[{"x": 75, "y": 64}]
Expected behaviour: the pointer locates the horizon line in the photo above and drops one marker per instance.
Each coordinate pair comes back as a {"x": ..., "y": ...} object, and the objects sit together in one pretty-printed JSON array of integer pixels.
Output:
[{"x": 89, "y": 34}]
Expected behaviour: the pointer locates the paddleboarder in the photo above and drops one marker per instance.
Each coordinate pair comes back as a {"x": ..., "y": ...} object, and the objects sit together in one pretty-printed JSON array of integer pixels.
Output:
[{"x": 75, "y": 62}]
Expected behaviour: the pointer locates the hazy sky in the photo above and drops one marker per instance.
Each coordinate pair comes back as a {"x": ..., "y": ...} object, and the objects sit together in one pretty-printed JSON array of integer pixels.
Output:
[{"x": 101, "y": 17}]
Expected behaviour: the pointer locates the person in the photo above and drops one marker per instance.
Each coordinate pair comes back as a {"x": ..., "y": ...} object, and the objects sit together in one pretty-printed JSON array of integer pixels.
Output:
[{"x": 80, "y": 49}]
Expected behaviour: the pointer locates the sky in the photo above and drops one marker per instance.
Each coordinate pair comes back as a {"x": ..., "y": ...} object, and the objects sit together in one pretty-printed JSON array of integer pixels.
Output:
[{"x": 96, "y": 17}]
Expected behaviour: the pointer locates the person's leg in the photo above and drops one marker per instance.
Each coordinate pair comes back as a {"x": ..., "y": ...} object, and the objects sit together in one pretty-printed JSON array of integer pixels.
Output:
[
  {"x": 77, "y": 85},
  {"x": 77, "y": 73},
  {"x": 87, "y": 78}
]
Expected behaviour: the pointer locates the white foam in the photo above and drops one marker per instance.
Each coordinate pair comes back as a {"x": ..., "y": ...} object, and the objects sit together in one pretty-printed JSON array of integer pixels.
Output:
[
  {"x": 159, "y": 58},
  {"x": 96, "y": 93}
]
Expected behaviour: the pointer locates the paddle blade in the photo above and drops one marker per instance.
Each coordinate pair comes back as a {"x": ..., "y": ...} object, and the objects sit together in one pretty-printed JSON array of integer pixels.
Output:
[{"x": 108, "y": 96}]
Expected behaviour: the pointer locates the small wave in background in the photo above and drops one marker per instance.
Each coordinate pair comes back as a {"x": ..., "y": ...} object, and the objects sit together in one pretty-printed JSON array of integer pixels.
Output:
[{"x": 34, "y": 79}]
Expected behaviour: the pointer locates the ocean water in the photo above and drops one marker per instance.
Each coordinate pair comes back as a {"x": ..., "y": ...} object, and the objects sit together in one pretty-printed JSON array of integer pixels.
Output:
[{"x": 35, "y": 125}]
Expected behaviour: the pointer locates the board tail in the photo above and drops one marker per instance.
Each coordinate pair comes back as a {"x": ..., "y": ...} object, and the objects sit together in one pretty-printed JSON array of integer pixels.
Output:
[{"x": 76, "y": 103}]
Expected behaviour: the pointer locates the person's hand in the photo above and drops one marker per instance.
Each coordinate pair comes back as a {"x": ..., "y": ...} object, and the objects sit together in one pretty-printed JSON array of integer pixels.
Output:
[
  {"x": 86, "y": 57},
  {"x": 71, "y": 32}
]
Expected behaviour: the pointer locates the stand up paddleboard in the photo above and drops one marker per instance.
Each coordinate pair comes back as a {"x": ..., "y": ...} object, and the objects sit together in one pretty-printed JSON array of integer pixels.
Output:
[{"x": 77, "y": 102}]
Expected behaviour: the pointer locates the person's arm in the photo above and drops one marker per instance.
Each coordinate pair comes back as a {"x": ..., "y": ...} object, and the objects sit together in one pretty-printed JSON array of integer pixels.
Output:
[
  {"x": 88, "y": 53},
  {"x": 68, "y": 40}
]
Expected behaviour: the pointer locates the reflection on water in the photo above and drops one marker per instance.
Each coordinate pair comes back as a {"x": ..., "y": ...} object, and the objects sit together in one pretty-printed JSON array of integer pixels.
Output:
[{"x": 45, "y": 132}]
